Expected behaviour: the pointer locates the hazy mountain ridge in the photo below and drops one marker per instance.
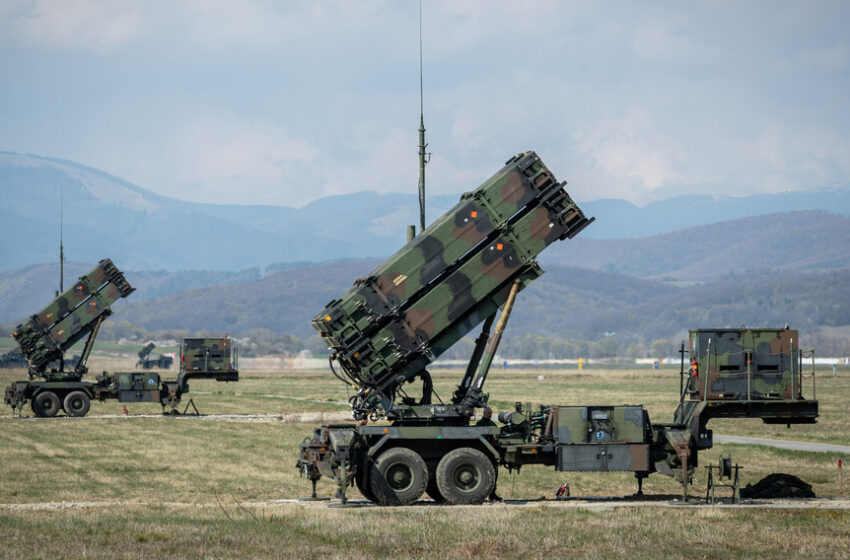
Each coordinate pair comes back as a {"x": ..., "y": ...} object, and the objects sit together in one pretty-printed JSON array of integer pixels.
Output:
[
  {"x": 566, "y": 303},
  {"x": 105, "y": 215},
  {"x": 27, "y": 290},
  {"x": 759, "y": 270},
  {"x": 800, "y": 240},
  {"x": 626, "y": 220}
]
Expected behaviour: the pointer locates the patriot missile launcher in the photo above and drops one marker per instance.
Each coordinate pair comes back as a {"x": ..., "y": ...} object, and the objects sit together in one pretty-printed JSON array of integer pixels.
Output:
[
  {"x": 147, "y": 362},
  {"x": 458, "y": 272},
  {"x": 77, "y": 313}
]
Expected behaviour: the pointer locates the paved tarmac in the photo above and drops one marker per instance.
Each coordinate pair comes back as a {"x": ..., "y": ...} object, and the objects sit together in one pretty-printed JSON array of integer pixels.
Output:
[{"x": 784, "y": 444}]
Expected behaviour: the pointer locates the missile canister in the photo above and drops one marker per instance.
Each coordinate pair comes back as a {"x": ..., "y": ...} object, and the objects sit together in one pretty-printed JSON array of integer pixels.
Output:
[{"x": 438, "y": 287}]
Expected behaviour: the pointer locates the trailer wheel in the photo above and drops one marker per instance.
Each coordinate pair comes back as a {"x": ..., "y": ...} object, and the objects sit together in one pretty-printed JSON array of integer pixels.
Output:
[
  {"x": 46, "y": 404},
  {"x": 398, "y": 477},
  {"x": 77, "y": 403},
  {"x": 465, "y": 476}
]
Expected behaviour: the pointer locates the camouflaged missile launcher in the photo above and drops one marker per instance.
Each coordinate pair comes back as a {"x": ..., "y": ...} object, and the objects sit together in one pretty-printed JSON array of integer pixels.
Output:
[
  {"x": 70, "y": 316},
  {"x": 40, "y": 323},
  {"x": 457, "y": 272},
  {"x": 745, "y": 364}
]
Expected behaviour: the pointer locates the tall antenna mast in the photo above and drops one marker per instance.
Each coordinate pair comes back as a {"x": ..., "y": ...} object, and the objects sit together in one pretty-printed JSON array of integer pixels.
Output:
[
  {"x": 61, "y": 260},
  {"x": 423, "y": 159},
  {"x": 61, "y": 248}
]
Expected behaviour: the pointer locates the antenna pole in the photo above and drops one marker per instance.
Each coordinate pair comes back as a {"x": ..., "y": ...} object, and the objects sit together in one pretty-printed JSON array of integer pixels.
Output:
[
  {"x": 422, "y": 144},
  {"x": 61, "y": 248},
  {"x": 61, "y": 260}
]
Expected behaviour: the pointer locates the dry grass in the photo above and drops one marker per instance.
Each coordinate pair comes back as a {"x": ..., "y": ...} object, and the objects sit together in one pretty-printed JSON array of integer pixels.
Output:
[
  {"x": 293, "y": 531},
  {"x": 152, "y": 462}
]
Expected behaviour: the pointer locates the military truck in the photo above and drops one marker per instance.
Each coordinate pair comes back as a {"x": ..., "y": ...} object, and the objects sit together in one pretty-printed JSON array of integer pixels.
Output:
[
  {"x": 146, "y": 362},
  {"x": 74, "y": 315},
  {"x": 457, "y": 274}
]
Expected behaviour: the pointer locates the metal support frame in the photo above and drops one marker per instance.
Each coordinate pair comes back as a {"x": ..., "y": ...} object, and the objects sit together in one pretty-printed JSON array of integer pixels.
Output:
[
  {"x": 724, "y": 470},
  {"x": 474, "y": 393}
]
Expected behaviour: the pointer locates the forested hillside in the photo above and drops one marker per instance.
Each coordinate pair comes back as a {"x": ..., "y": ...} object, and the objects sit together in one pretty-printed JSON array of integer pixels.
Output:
[{"x": 598, "y": 297}]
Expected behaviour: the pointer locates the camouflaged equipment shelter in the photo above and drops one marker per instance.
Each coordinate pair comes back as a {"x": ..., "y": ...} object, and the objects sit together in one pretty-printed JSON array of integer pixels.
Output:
[
  {"x": 745, "y": 364},
  {"x": 454, "y": 275},
  {"x": 209, "y": 358}
]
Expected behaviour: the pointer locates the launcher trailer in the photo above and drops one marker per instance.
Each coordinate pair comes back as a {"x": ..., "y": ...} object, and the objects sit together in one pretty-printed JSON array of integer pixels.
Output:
[
  {"x": 77, "y": 314},
  {"x": 457, "y": 274}
]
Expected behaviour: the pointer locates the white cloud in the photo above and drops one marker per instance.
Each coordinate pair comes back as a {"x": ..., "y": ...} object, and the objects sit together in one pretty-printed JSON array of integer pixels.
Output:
[
  {"x": 386, "y": 161},
  {"x": 241, "y": 162},
  {"x": 84, "y": 24},
  {"x": 834, "y": 58},
  {"x": 261, "y": 101},
  {"x": 633, "y": 152},
  {"x": 778, "y": 157}
]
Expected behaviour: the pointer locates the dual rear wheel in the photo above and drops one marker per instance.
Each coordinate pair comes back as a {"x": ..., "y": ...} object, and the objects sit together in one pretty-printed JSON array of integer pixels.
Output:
[
  {"x": 46, "y": 404},
  {"x": 399, "y": 476}
]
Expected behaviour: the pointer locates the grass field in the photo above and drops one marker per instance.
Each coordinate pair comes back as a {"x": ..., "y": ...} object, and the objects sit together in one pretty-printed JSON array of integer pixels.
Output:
[{"x": 162, "y": 487}]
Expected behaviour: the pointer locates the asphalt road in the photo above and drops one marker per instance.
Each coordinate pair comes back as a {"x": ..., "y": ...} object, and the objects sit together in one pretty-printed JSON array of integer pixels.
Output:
[{"x": 782, "y": 444}]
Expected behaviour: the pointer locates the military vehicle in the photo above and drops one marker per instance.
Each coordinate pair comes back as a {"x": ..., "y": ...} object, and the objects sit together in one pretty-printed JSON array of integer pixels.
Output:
[
  {"x": 72, "y": 316},
  {"x": 216, "y": 358},
  {"x": 13, "y": 359},
  {"x": 146, "y": 362},
  {"x": 455, "y": 275}
]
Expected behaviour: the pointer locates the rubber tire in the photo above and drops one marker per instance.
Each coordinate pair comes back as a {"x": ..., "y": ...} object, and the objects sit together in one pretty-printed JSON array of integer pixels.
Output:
[
  {"x": 46, "y": 404},
  {"x": 77, "y": 403},
  {"x": 398, "y": 477},
  {"x": 362, "y": 482},
  {"x": 465, "y": 476}
]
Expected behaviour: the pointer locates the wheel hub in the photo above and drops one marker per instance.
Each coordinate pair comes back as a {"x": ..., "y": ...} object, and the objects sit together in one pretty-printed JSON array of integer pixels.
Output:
[
  {"x": 399, "y": 477},
  {"x": 466, "y": 478}
]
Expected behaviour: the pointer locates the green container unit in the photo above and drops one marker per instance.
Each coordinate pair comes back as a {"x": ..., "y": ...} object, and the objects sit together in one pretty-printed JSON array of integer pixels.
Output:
[
  {"x": 43, "y": 345},
  {"x": 73, "y": 327},
  {"x": 602, "y": 438},
  {"x": 211, "y": 357},
  {"x": 745, "y": 364}
]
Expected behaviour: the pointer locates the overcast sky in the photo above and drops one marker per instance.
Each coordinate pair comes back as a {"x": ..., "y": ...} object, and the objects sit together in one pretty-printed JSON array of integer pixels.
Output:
[{"x": 264, "y": 102}]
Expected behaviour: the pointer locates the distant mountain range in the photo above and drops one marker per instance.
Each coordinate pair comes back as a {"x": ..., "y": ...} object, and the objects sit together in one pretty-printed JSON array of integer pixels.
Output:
[
  {"x": 200, "y": 267},
  {"x": 790, "y": 241},
  {"x": 567, "y": 302},
  {"x": 140, "y": 230}
]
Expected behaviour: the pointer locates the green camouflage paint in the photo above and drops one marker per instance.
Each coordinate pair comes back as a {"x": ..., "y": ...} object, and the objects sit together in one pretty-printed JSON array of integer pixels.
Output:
[
  {"x": 71, "y": 315},
  {"x": 388, "y": 327},
  {"x": 745, "y": 364}
]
